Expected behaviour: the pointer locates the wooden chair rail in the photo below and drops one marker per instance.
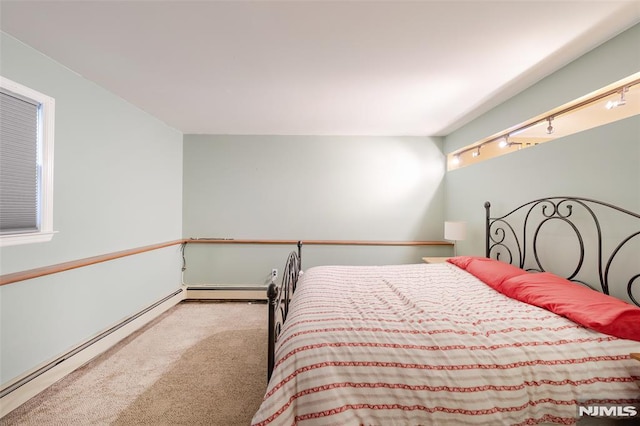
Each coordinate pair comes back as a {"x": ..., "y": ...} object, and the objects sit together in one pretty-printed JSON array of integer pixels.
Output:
[
  {"x": 375, "y": 243},
  {"x": 66, "y": 266},
  {"x": 317, "y": 242}
]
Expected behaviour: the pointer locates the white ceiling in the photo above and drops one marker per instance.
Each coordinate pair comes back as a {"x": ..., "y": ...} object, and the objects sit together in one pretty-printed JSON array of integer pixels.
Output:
[{"x": 315, "y": 67}]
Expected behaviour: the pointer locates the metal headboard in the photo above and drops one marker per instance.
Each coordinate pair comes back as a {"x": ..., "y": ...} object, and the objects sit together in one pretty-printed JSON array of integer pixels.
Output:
[{"x": 516, "y": 238}]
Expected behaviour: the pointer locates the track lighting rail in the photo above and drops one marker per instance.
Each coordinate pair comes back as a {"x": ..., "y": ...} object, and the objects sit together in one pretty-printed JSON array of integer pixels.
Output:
[{"x": 503, "y": 138}]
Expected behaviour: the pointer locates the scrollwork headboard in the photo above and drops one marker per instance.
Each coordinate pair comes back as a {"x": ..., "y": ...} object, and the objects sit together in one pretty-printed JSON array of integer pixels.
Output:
[{"x": 584, "y": 240}]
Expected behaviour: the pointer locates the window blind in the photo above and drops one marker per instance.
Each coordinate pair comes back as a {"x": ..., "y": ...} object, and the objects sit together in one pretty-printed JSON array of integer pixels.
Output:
[{"x": 19, "y": 168}]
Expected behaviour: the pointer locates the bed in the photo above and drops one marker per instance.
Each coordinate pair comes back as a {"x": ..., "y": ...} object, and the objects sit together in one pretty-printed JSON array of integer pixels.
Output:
[{"x": 455, "y": 343}]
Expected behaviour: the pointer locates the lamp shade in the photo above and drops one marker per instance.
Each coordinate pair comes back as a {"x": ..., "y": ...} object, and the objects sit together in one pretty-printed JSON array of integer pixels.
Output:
[{"x": 455, "y": 231}]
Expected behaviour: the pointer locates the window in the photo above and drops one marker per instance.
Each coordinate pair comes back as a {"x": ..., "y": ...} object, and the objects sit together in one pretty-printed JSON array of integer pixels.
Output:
[{"x": 26, "y": 164}]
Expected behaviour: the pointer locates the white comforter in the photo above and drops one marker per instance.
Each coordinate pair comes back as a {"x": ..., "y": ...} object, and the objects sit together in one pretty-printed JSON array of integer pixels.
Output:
[{"x": 433, "y": 345}]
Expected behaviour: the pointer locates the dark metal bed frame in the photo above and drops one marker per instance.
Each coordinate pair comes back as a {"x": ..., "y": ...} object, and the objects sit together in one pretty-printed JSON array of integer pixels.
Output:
[
  {"x": 279, "y": 297},
  {"x": 509, "y": 238},
  {"x": 519, "y": 245}
]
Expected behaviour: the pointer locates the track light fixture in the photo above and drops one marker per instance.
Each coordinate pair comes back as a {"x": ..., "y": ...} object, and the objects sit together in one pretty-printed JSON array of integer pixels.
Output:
[
  {"x": 550, "y": 127},
  {"x": 505, "y": 143},
  {"x": 457, "y": 157},
  {"x": 618, "y": 102}
]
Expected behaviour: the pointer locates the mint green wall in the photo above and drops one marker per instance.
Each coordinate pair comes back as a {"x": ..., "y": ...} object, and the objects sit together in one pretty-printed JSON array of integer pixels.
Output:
[
  {"x": 117, "y": 186},
  {"x": 307, "y": 187},
  {"x": 601, "y": 163}
]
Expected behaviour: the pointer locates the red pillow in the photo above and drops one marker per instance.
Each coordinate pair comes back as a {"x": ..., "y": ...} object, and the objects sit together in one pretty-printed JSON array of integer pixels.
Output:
[
  {"x": 580, "y": 304},
  {"x": 461, "y": 261},
  {"x": 492, "y": 272}
]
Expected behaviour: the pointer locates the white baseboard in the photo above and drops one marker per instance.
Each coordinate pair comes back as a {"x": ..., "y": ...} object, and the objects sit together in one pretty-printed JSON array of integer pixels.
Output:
[{"x": 31, "y": 388}]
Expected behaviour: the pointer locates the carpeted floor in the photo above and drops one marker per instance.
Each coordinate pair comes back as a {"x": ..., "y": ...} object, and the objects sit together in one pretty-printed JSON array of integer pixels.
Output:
[{"x": 197, "y": 364}]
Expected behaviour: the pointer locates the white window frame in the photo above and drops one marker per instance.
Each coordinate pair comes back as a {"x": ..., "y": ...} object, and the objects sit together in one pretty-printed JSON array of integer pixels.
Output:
[{"x": 46, "y": 121}]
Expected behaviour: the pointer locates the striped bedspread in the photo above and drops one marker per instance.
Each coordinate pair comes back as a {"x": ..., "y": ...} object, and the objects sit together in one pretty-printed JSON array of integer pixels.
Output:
[{"x": 433, "y": 345}]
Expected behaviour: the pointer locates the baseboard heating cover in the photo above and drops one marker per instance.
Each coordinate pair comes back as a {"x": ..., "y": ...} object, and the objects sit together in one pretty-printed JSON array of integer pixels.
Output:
[
  {"x": 28, "y": 386},
  {"x": 226, "y": 292}
]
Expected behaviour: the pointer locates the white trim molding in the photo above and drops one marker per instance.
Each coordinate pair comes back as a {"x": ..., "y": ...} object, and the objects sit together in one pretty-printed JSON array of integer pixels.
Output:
[{"x": 27, "y": 238}]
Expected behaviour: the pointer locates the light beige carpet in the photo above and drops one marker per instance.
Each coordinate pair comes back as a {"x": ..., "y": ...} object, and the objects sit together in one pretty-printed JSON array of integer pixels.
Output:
[{"x": 199, "y": 363}]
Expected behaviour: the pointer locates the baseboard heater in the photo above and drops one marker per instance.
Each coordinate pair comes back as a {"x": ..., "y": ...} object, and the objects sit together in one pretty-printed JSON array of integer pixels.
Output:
[
  {"x": 226, "y": 292},
  {"x": 82, "y": 347}
]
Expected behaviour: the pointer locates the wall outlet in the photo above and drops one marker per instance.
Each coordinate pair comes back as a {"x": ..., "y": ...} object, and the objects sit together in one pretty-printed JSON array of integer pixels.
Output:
[{"x": 274, "y": 273}]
